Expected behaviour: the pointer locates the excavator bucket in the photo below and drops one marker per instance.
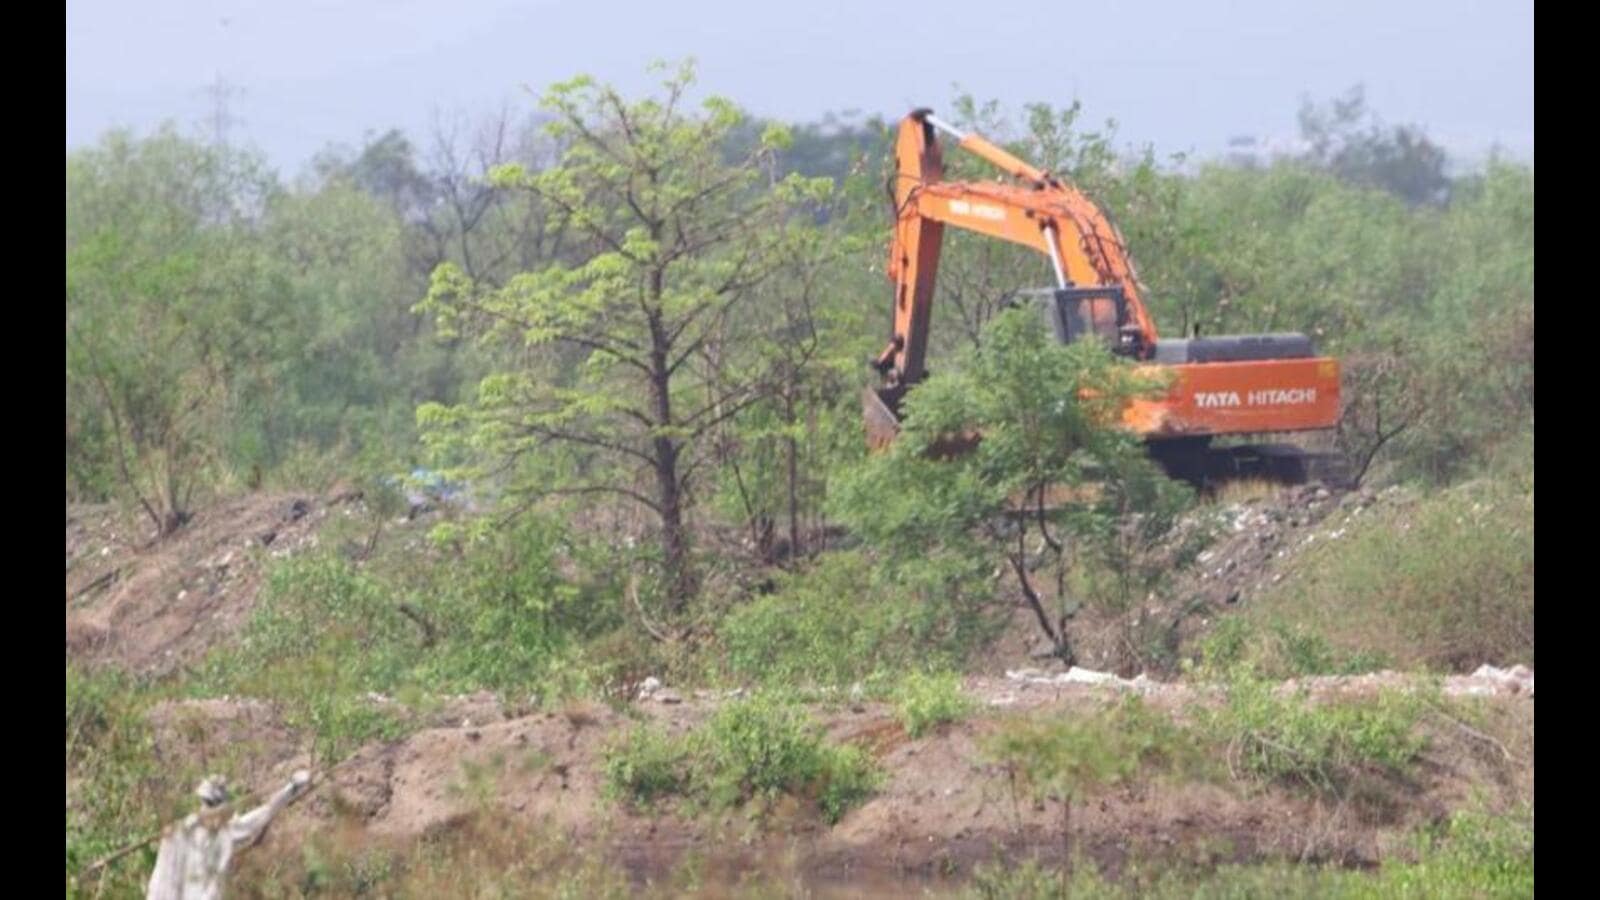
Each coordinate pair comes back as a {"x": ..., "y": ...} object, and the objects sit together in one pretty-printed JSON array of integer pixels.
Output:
[{"x": 882, "y": 424}]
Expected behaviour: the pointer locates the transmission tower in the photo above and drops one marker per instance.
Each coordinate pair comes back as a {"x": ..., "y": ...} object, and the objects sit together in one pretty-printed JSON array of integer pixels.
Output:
[{"x": 221, "y": 120}]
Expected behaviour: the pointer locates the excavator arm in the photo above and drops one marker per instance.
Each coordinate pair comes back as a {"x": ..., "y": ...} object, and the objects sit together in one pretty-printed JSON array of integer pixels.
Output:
[
  {"x": 1040, "y": 212},
  {"x": 1226, "y": 385}
]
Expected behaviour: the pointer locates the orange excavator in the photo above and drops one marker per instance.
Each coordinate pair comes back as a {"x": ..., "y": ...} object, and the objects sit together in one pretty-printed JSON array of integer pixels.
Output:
[{"x": 1222, "y": 386}]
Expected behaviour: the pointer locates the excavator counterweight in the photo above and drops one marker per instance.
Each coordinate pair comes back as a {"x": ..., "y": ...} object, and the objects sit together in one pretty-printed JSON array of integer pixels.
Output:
[{"x": 1230, "y": 385}]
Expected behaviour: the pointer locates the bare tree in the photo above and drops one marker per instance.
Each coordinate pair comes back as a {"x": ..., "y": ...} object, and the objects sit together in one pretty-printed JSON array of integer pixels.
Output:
[{"x": 1381, "y": 401}]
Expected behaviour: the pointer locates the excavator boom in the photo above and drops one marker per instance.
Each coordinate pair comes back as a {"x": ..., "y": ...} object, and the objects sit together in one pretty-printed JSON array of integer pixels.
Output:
[{"x": 1229, "y": 385}]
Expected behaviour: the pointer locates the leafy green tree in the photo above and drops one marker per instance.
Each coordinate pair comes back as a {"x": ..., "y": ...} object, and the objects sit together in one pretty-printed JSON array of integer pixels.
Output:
[
  {"x": 674, "y": 240},
  {"x": 169, "y": 312},
  {"x": 1051, "y": 475},
  {"x": 813, "y": 334},
  {"x": 341, "y": 379},
  {"x": 1400, "y": 159}
]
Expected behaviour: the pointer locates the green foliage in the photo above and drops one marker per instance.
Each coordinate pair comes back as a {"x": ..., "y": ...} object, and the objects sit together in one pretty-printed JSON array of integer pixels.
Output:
[
  {"x": 299, "y": 649},
  {"x": 117, "y": 790},
  {"x": 849, "y": 775},
  {"x": 1475, "y": 348},
  {"x": 1125, "y": 554},
  {"x": 1260, "y": 732},
  {"x": 1480, "y": 854},
  {"x": 754, "y": 749},
  {"x": 326, "y": 632},
  {"x": 1443, "y": 581},
  {"x": 763, "y": 747},
  {"x": 923, "y": 702},
  {"x": 1401, "y": 160},
  {"x": 344, "y": 382},
  {"x": 1279, "y": 648},
  {"x": 513, "y": 611},
  {"x": 171, "y": 314},
  {"x": 1111, "y": 746},
  {"x": 841, "y": 621},
  {"x": 1029, "y": 881},
  {"x": 487, "y": 853},
  {"x": 1049, "y": 416},
  {"x": 221, "y": 325},
  {"x": 641, "y": 341},
  {"x": 1323, "y": 746},
  {"x": 645, "y": 765}
]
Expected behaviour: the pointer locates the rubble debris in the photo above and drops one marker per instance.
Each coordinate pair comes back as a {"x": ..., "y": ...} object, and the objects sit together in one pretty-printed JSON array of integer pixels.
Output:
[
  {"x": 649, "y": 687},
  {"x": 1076, "y": 675}
]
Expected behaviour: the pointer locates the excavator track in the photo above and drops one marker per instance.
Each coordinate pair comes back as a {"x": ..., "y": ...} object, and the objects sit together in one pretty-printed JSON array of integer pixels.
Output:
[{"x": 1207, "y": 467}]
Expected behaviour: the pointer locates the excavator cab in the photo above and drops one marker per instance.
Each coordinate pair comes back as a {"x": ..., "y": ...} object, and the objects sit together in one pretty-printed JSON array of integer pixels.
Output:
[{"x": 1074, "y": 312}]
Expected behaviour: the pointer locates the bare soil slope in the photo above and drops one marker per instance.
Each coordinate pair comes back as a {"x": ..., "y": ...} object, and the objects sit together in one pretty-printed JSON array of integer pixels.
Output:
[
  {"x": 149, "y": 606},
  {"x": 944, "y": 807},
  {"x": 945, "y": 804}
]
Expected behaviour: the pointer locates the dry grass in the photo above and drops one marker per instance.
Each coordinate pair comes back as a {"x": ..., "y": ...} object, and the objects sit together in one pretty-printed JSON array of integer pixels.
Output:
[{"x": 1446, "y": 583}]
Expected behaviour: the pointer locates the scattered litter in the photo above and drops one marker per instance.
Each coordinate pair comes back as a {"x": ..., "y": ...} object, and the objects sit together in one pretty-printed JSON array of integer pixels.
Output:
[
  {"x": 1077, "y": 675},
  {"x": 1516, "y": 680}
]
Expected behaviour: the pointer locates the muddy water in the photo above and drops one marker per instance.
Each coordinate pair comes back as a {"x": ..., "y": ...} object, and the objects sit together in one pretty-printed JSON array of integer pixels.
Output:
[{"x": 792, "y": 870}]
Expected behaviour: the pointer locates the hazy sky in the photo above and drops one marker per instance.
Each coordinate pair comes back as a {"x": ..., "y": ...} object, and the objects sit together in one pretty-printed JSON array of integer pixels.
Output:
[{"x": 1185, "y": 76}]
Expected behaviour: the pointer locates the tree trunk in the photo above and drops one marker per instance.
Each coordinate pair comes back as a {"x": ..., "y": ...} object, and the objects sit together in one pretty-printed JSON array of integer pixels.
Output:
[
  {"x": 794, "y": 479},
  {"x": 669, "y": 499},
  {"x": 674, "y": 540}
]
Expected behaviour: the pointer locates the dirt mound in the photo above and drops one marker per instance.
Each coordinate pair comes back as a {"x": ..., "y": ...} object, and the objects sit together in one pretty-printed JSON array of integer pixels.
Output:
[
  {"x": 944, "y": 806},
  {"x": 1260, "y": 536},
  {"x": 1248, "y": 546},
  {"x": 150, "y": 606}
]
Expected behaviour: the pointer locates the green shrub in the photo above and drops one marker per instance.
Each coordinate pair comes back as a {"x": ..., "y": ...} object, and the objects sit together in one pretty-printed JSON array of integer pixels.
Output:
[
  {"x": 1067, "y": 757},
  {"x": 1279, "y": 649},
  {"x": 645, "y": 765},
  {"x": 1322, "y": 745},
  {"x": 118, "y": 791},
  {"x": 762, "y": 745},
  {"x": 755, "y": 749},
  {"x": 924, "y": 701},
  {"x": 1479, "y": 854},
  {"x": 849, "y": 776},
  {"x": 507, "y": 611},
  {"x": 324, "y": 634},
  {"x": 836, "y": 623},
  {"x": 490, "y": 612},
  {"x": 1441, "y": 582},
  {"x": 1029, "y": 881}
]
